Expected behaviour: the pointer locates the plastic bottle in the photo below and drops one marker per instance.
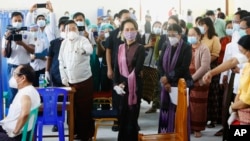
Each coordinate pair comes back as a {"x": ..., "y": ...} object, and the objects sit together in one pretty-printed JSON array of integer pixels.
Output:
[{"x": 42, "y": 81}]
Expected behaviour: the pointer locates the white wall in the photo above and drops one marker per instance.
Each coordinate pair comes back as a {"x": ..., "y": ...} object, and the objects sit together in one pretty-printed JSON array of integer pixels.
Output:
[{"x": 158, "y": 8}]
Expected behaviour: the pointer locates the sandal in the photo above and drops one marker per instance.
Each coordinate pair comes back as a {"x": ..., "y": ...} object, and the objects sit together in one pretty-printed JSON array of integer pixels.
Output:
[
  {"x": 219, "y": 133},
  {"x": 197, "y": 134}
]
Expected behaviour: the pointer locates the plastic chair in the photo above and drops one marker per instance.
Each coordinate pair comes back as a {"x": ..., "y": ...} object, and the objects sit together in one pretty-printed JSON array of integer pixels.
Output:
[
  {"x": 100, "y": 116},
  {"x": 180, "y": 133},
  {"x": 30, "y": 125},
  {"x": 51, "y": 107}
]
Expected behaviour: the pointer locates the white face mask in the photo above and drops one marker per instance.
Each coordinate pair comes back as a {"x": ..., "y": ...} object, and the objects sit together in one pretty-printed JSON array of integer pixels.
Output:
[
  {"x": 72, "y": 35},
  {"x": 13, "y": 83},
  {"x": 63, "y": 35},
  {"x": 157, "y": 30},
  {"x": 79, "y": 23},
  {"x": 17, "y": 24},
  {"x": 41, "y": 23},
  {"x": 117, "y": 23},
  {"x": 106, "y": 35},
  {"x": 173, "y": 40}
]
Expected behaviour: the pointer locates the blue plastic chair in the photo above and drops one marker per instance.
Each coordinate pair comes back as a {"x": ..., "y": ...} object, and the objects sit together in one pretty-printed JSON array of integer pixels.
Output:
[
  {"x": 29, "y": 126},
  {"x": 50, "y": 110}
]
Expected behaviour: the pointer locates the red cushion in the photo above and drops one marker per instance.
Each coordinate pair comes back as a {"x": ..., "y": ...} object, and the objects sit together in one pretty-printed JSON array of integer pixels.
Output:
[{"x": 106, "y": 94}]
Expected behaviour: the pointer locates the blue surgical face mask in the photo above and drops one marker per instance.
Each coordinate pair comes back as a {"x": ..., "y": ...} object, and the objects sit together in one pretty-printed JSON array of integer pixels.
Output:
[
  {"x": 202, "y": 29},
  {"x": 80, "y": 23},
  {"x": 17, "y": 24},
  {"x": 192, "y": 39},
  {"x": 242, "y": 32},
  {"x": 229, "y": 31},
  {"x": 236, "y": 27}
]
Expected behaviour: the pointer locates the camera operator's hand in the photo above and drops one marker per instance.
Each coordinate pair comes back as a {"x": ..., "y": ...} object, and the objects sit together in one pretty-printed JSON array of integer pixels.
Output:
[
  {"x": 49, "y": 6},
  {"x": 21, "y": 43},
  {"x": 7, "y": 34},
  {"x": 86, "y": 34},
  {"x": 33, "y": 8}
]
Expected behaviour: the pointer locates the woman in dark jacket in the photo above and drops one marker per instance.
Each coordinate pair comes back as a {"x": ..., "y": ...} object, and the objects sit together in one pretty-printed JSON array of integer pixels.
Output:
[
  {"x": 127, "y": 81},
  {"x": 173, "y": 64}
]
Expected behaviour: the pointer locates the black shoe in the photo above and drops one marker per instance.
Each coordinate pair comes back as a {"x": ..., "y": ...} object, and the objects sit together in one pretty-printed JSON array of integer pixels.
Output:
[
  {"x": 115, "y": 128},
  {"x": 54, "y": 128}
]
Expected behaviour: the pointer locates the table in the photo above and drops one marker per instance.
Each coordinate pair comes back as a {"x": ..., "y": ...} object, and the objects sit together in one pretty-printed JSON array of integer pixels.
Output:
[{"x": 70, "y": 110}]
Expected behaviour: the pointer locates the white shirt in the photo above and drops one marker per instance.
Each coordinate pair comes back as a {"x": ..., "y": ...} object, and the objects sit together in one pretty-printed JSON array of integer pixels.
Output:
[
  {"x": 40, "y": 46},
  {"x": 19, "y": 54},
  {"x": 9, "y": 123},
  {"x": 74, "y": 59},
  {"x": 232, "y": 50},
  {"x": 50, "y": 29}
]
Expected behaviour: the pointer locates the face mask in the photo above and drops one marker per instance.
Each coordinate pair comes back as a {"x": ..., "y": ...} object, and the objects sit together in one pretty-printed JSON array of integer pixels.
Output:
[
  {"x": 72, "y": 35},
  {"x": 229, "y": 31},
  {"x": 117, "y": 23},
  {"x": 13, "y": 83},
  {"x": 157, "y": 30},
  {"x": 63, "y": 35},
  {"x": 130, "y": 35},
  {"x": 79, "y": 23},
  {"x": 17, "y": 24},
  {"x": 106, "y": 35},
  {"x": 164, "y": 31},
  {"x": 242, "y": 32},
  {"x": 41, "y": 23},
  {"x": 173, "y": 40},
  {"x": 202, "y": 29},
  {"x": 236, "y": 26},
  {"x": 192, "y": 39}
]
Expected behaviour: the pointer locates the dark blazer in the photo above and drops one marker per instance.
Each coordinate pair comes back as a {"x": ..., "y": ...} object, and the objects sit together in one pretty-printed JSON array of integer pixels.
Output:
[{"x": 181, "y": 69}]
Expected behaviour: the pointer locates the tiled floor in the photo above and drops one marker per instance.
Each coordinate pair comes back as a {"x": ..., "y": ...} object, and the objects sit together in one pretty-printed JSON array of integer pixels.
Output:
[{"x": 148, "y": 124}]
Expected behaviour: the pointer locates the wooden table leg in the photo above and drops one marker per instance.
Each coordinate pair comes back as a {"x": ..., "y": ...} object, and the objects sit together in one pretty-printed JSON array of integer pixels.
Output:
[{"x": 71, "y": 115}]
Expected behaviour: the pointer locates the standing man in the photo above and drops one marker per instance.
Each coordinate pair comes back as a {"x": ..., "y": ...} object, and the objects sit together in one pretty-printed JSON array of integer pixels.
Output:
[
  {"x": 75, "y": 71},
  {"x": 20, "y": 50}
]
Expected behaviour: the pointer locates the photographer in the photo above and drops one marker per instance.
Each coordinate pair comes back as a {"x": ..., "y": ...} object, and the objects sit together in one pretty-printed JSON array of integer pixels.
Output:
[
  {"x": 16, "y": 47},
  {"x": 48, "y": 31}
]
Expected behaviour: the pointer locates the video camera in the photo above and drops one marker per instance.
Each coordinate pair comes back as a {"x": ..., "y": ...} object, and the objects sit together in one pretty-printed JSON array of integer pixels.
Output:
[{"x": 14, "y": 35}]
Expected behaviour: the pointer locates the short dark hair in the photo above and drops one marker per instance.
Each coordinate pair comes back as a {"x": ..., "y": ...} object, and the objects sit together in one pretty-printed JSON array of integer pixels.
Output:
[
  {"x": 62, "y": 21},
  {"x": 218, "y": 9},
  {"x": 244, "y": 41},
  {"x": 14, "y": 14},
  {"x": 247, "y": 19},
  {"x": 210, "y": 13},
  {"x": 39, "y": 16},
  {"x": 129, "y": 21},
  {"x": 175, "y": 27},
  {"x": 70, "y": 22},
  {"x": 228, "y": 22},
  {"x": 242, "y": 13},
  {"x": 29, "y": 72},
  {"x": 123, "y": 11},
  {"x": 78, "y": 14}
]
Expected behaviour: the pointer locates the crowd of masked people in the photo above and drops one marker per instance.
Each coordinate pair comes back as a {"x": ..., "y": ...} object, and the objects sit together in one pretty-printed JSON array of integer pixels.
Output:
[{"x": 115, "y": 56}]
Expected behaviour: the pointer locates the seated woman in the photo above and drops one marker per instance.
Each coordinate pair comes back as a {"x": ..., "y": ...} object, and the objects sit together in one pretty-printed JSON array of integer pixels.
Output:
[
  {"x": 241, "y": 103},
  {"x": 26, "y": 99}
]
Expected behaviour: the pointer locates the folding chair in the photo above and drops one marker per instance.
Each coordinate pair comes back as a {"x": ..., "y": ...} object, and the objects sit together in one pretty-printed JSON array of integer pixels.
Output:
[
  {"x": 101, "y": 116},
  {"x": 181, "y": 133}
]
